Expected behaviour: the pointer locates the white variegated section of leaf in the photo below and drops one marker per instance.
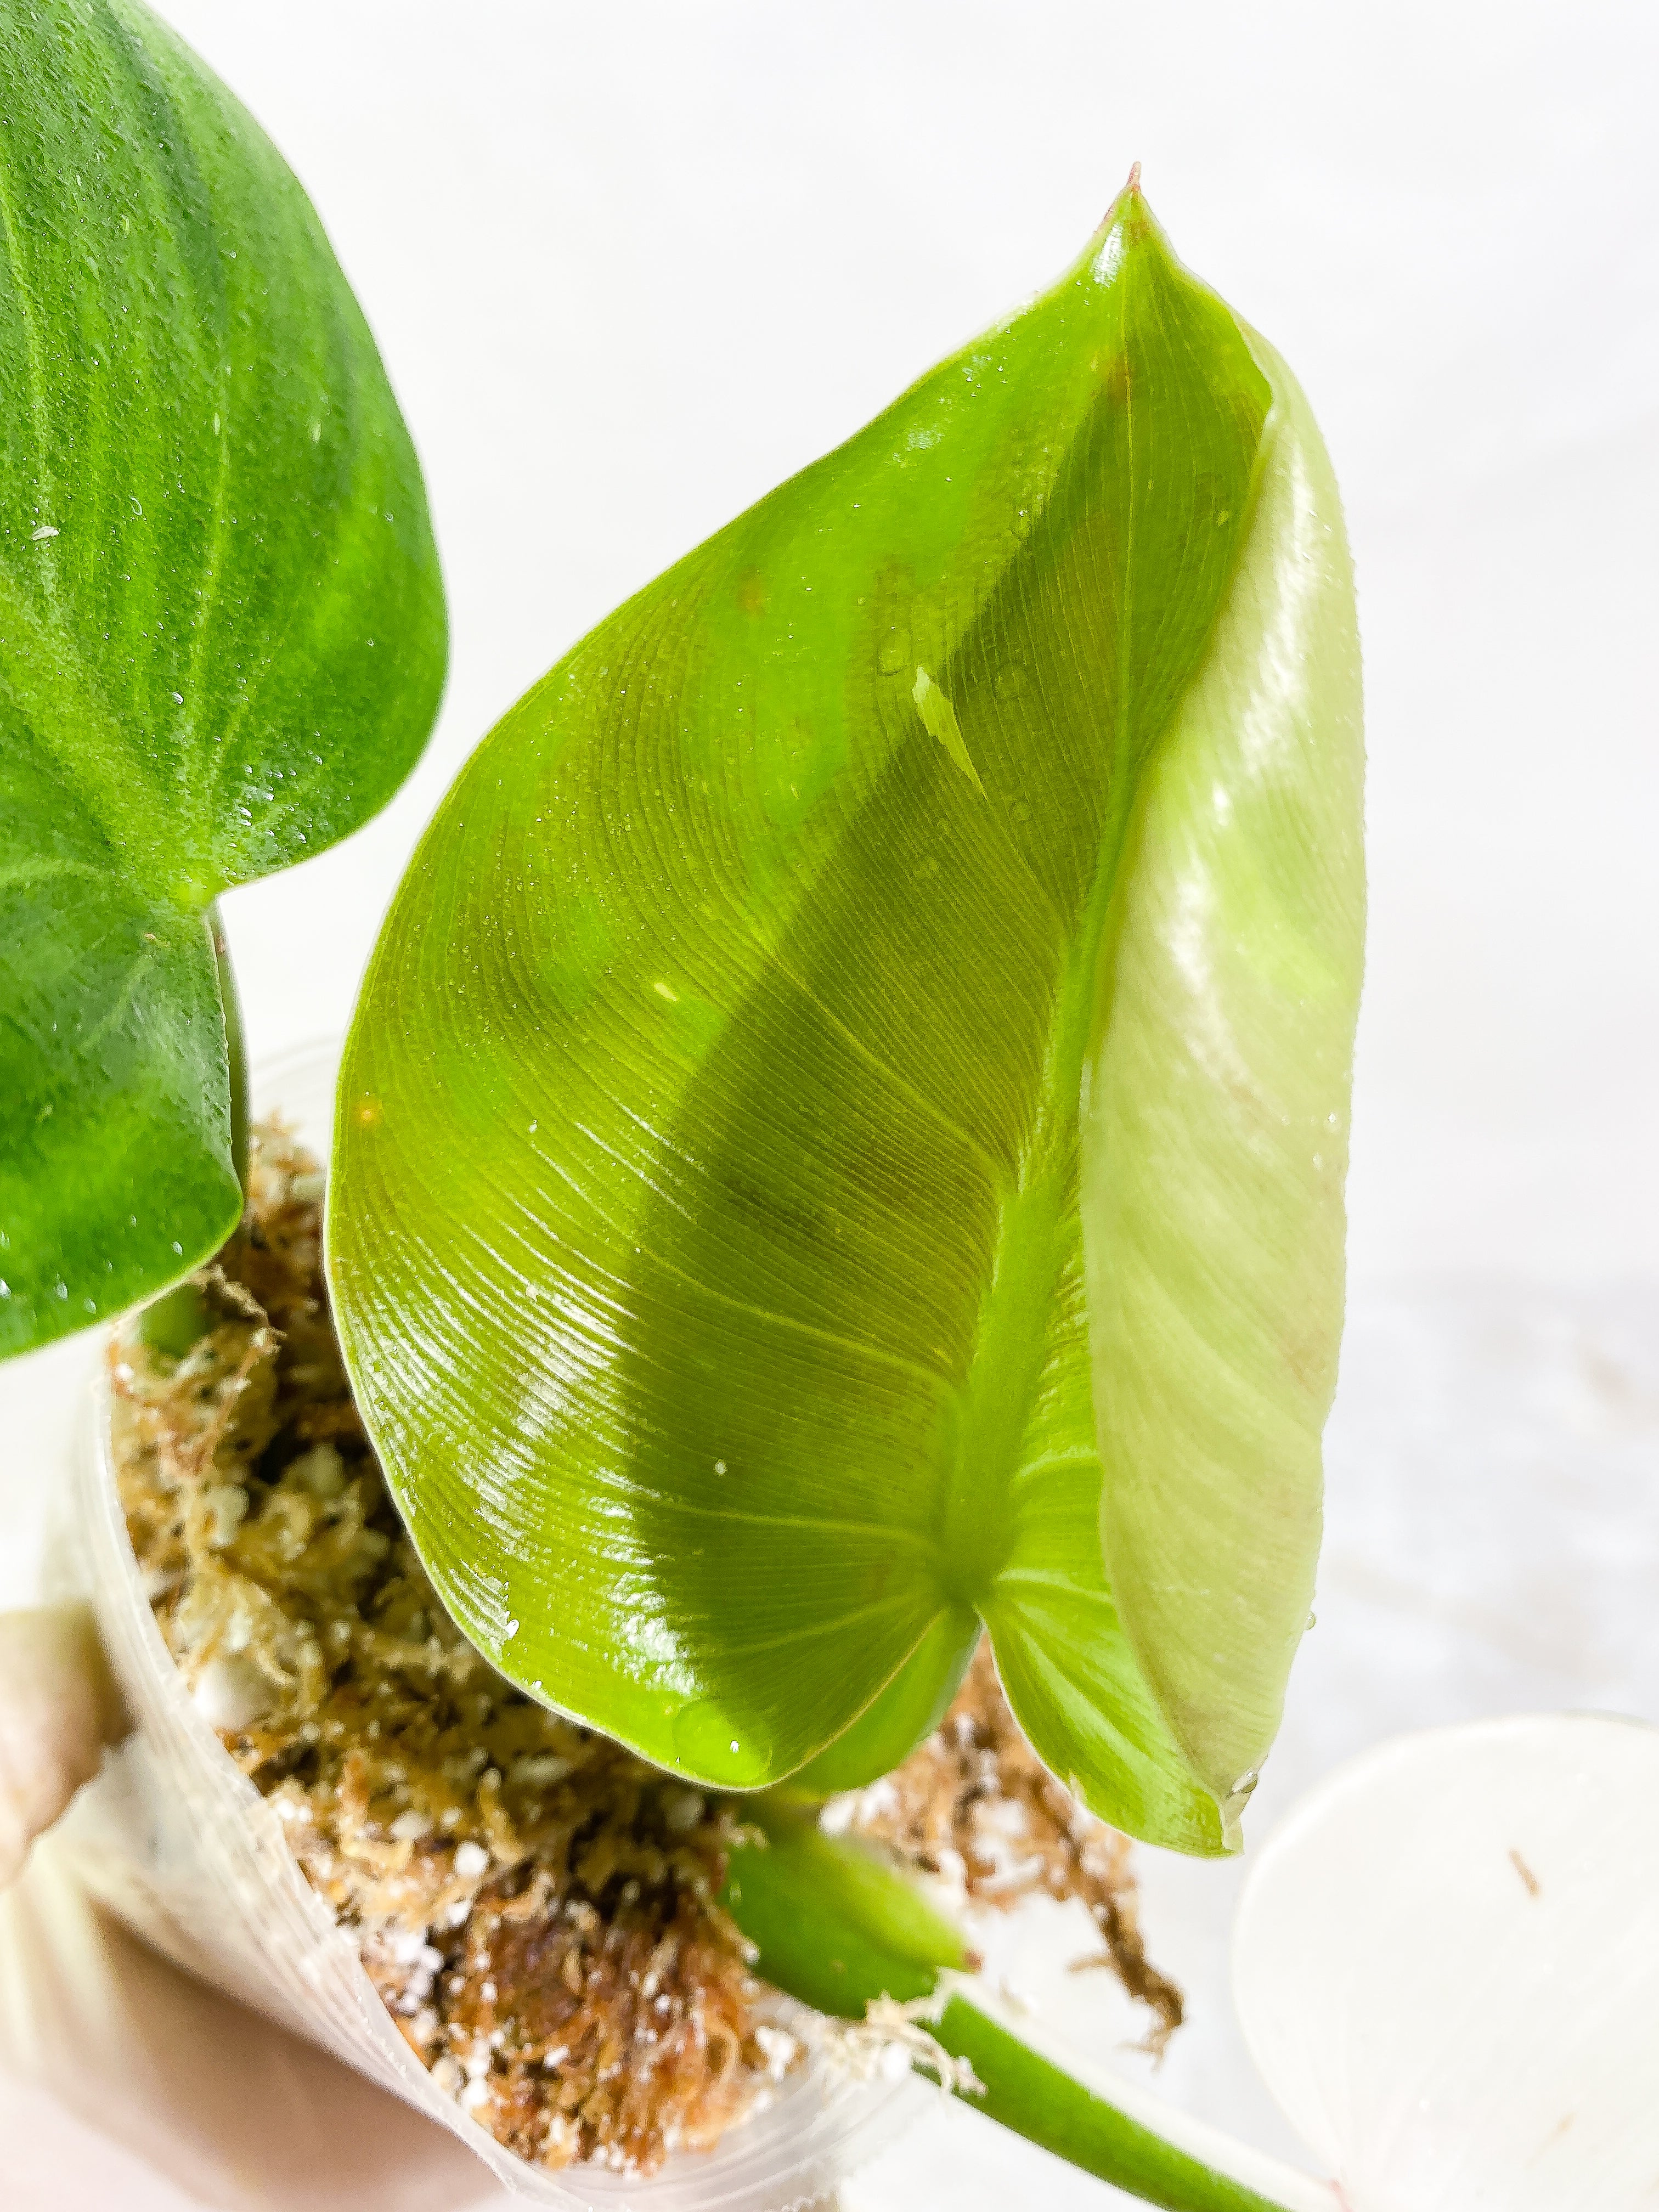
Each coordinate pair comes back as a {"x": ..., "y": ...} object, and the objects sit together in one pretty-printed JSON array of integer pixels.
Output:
[{"x": 1446, "y": 1964}]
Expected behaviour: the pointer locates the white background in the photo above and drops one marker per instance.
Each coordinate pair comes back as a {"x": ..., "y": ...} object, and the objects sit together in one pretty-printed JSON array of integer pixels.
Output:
[{"x": 630, "y": 263}]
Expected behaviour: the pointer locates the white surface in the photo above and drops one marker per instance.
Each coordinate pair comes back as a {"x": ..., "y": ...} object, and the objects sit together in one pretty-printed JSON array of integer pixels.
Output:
[
  {"x": 1446, "y": 1963},
  {"x": 630, "y": 265}
]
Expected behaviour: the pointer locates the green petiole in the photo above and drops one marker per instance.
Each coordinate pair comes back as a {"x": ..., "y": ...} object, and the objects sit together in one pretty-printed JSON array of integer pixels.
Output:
[
  {"x": 1037, "y": 2100},
  {"x": 838, "y": 1928},
  {"x": 173, "y": 1323},
  {"x": 176, "y": 1322}
]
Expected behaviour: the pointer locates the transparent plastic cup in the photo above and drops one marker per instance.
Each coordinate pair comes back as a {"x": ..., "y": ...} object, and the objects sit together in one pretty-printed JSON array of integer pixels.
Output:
[{"x": 175, "y": 1841}]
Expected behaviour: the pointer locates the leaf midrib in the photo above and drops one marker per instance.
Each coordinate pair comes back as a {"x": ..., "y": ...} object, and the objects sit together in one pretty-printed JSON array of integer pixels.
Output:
[
  {"x": 71, "y": 718},
  {"x": 1047, "y": 1175}
]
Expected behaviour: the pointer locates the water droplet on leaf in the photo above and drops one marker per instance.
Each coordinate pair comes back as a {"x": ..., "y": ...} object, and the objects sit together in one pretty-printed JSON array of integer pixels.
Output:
[{"x": 717, "y": 1748}]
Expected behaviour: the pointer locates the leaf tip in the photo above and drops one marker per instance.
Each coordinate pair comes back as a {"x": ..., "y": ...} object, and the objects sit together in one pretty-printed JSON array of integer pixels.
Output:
[
  {"x": 1131, "y": 199},
  {"x": 1127, "y": 223}
]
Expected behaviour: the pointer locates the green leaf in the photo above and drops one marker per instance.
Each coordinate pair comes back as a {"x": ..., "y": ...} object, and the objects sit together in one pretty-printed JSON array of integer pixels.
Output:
[
  {"x": 1215, "y": 1127},
  {"x": 736, "y": 1289},
  {"x": 222, "y": 635}
]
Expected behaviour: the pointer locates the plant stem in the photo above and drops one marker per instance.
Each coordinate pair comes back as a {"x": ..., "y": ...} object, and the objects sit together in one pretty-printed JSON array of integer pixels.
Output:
[
  {"x": 1037, "y": 2100},
  {"x": 837, "y": 1927},
  {"x": 181, "y": 1316}
]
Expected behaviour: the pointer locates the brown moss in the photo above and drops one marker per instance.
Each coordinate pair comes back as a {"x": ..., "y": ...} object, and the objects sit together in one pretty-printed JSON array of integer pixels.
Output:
[{"x": 974, "y": 1804}]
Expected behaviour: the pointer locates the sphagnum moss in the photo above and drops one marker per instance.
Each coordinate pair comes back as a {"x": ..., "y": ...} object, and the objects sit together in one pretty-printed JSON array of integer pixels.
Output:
[
  {"x": 975, "y": 1806},
  {"x": 535, "y": 1904}
]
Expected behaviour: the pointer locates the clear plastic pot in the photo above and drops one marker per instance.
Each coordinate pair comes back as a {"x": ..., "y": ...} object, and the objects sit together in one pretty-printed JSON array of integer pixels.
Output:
[{"x": 175, "y": 1841}]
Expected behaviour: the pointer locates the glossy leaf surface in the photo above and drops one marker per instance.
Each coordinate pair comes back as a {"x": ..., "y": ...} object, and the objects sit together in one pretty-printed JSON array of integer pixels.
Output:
[
  {"x": 736, "y": 1287},
  {"x": 222, "y": 635}
]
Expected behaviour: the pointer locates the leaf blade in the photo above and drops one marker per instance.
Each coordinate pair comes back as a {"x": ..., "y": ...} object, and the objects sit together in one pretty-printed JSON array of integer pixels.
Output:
[
  {"x": 708, "y": 1138},
  {"x": 221, "y": 619}
]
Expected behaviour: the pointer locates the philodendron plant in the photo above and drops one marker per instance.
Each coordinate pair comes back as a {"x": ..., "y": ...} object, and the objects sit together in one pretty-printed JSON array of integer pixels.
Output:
[{"x": 840, "y": 1147}]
